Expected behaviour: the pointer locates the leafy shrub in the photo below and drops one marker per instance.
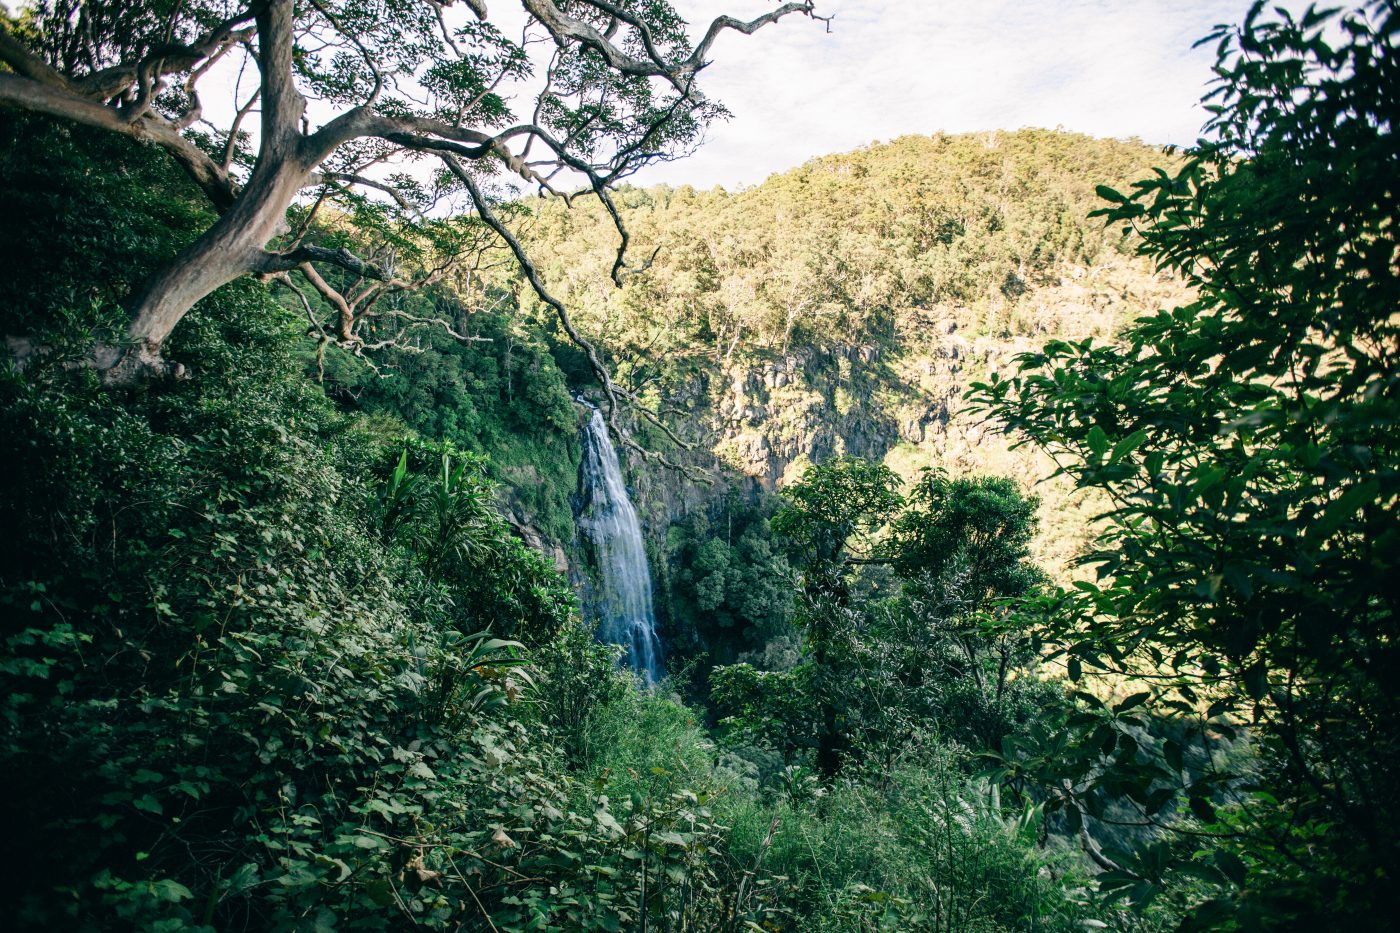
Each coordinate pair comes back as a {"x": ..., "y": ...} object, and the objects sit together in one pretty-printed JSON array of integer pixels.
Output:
[{"x": 919, "y": 848}]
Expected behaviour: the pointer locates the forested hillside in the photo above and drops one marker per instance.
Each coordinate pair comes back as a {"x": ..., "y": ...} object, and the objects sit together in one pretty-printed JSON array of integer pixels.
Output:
[
  {"x": 1018, "y": 507},
  {"x": 840, "y": 308}
]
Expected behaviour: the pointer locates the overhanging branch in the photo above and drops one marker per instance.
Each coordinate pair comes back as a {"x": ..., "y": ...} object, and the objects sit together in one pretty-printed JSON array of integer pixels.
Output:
[
  {"x": 55, "y": 101},
  {"x": 565, "y": 29},
  {"x": 611, "y": 390},
  {"x": 272, "y": 263}
]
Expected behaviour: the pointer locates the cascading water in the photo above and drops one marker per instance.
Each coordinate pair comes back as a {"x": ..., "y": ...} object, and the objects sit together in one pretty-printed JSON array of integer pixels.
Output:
[{"x": 624, "y": 579}]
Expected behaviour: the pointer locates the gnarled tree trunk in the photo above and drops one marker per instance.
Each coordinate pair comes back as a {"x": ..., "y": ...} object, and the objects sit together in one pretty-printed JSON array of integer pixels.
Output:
[
  {"x": 232, "y": 247},
  {"x": 235, "y": 244}
]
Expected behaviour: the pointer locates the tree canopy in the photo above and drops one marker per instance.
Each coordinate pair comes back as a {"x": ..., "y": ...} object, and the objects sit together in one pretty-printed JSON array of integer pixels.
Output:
[
  {"x": 348, "y": 97},
  {"x": 1247, "y": 575}
]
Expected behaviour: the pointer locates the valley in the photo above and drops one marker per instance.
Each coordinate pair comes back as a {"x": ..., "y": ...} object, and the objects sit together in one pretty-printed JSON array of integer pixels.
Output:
[{"x": 414, "y": 520}]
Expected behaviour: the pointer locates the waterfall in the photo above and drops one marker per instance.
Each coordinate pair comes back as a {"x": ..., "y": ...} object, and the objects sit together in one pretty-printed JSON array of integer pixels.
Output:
[{"x": 608, "y": 519}]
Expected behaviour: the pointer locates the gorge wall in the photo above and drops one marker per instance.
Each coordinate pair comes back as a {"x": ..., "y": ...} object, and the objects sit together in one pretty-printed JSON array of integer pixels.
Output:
[{"x": 843, "y": 307}]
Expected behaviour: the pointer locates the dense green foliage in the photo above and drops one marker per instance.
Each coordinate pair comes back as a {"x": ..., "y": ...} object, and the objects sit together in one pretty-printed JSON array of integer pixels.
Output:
[
  {"x": 731, "y": 587},
  {"x": 502, "y": 396},
  {"x": 936, "y": 654},
  {"x": 920, "y": 847},
  {"x": 849, "y": 249},
  {"x": 134, "y": 213},
  {"x": 236, "y": 674},
  {"x": 278, "y": 652},
  {"x": 273, "y": 661},
  {"x": 1247, "y": 576}
]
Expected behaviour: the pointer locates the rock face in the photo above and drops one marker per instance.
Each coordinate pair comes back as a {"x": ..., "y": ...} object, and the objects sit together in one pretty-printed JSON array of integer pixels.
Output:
[
  {"x": 532, "y": 536},
  {"x": 757, "y": 422},
  {"x": 760, "y": 423},
  {"x": 800, "y": 408}
]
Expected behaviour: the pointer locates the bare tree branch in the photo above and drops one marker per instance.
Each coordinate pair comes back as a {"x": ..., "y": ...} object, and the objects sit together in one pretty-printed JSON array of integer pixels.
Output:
[
  {"x": 54, "y": 101},
  {"x": 611, "y": 390},
  {"x": 565, "y": 29},
  {"x": 28, "y": 65},
  {"x": 231, "y": 144},
  {"x": 342, "y": 258},
  {"x": 405, "y": 205},
  {"x": 166, "y": 59}
]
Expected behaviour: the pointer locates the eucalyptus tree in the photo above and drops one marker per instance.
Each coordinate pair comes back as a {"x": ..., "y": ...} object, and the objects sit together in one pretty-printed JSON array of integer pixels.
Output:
[{"x": 332, "y": 104}]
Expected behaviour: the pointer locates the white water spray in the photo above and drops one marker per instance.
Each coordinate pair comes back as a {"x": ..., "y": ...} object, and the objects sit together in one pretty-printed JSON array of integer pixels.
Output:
[{"x": 624, "y": 579}]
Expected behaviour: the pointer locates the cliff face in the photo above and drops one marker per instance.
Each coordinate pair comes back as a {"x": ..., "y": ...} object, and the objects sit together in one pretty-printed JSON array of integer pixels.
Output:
[
  {"x": 846, "y": 307},
  {"x": 761, "y": 421},
  {"x": 806, "y": 407}
]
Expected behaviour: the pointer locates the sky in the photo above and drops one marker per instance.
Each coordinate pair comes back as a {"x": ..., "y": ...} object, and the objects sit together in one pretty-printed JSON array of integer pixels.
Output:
[{"x": 888, "y": 68}]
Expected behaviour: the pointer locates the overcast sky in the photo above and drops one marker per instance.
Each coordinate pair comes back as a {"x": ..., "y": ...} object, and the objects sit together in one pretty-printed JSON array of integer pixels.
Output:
[{"x": 893, "y": 67}]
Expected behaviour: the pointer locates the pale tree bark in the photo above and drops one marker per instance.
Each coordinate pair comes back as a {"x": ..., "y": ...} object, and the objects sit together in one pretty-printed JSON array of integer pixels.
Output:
[
  {"x": 126, "y": 98},
  {"x": 234, "y": 245}
]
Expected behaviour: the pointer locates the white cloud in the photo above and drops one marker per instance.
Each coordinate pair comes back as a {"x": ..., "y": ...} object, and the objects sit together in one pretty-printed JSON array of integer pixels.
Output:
[{"x": 894, "y": 67}]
